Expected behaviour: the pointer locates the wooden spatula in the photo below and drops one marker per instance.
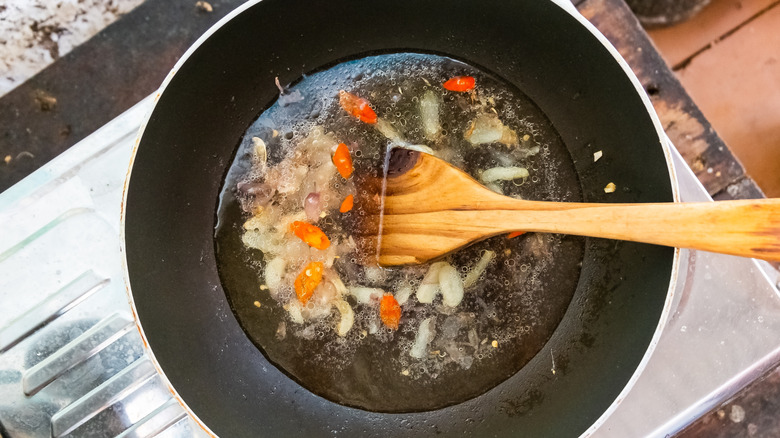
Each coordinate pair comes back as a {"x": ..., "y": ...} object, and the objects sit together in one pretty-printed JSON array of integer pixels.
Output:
[{"x": 431, "y": 208}]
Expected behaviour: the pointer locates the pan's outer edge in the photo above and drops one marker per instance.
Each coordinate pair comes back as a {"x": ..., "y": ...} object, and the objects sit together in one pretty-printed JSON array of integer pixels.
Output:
[
  {"x": 665, "y": 146},
  {"x": 564, "y": 5},
  {"x": 123, "y": 217}
]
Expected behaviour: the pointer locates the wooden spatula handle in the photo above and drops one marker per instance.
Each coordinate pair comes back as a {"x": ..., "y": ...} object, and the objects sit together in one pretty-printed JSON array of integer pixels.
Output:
[
  {"x": 432, "y": 208},
  {"x": 749, "y": 228}
]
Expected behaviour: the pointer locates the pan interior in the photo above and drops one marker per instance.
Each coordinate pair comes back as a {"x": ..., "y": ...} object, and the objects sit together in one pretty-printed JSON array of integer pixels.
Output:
[{"x": 504, "y": 319}]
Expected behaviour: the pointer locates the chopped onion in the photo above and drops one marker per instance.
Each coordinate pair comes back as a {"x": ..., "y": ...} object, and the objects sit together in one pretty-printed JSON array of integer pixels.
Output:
[
  {"x": 307, "y": 333},
  {"x": 479, "y": 268},
  {"x": 374, "y": 274},
  {"x": 495, "y": 188},
  {"x": 288, "y": 179},
  {"x": 255, "y": 223},
  {"x": 424, "y": 337},
  {"x": 503, "y": 174},
  {"x": 347, "y": 318},
  {"x": 429, "y": 287},
  {"x": 260, "y": 156},
  {"x": 337, "y": 283},
  {"x": 454, "y": 352},
  {"x": 325, "y": 295},
  {"x": 260, "y": 193},
  {"x": 451, "y": 286},
  {"x": 610, "y": 188},
  {"x": 274, "y": 271},
  {"x": 281, "y": 331},
  {"x": 429, "y": 115},
  {"x": 366, "y": 295},
  {"x": 312, "y": 206},
  {"x": 453, "y": 324},
  {"x": 403, "y": 294},
  {"x": 387, "y": 129},
  {"x": 294, "y": 310},
  {"x": 259, "y": 239},
  {"x": 427, "y": 292},
  {"x": 487, "y": 128},
  {"x": 526, "y": 152},
  {"x": 473, "y": 338}
]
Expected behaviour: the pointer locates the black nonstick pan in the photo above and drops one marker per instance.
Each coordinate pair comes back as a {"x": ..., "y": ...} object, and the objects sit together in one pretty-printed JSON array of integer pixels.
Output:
[{"x": 195, "y": 331}]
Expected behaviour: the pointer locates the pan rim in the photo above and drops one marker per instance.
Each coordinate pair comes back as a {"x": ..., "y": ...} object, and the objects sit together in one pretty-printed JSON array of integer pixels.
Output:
[{"x": 564, "y": 5}]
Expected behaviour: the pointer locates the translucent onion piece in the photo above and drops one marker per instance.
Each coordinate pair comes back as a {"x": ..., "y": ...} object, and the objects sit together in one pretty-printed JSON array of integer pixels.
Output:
[
  {"x": 260, "y": 156},
  {"x": 347, "y": 318},
  {"x": 374, "y": 274},
  {"x": 429, "y": 287},
  {"x": 427, "y": 292},
  {"x": 269, "y": 244},
  {"x": 387, "y": 129},
  {"x": 424, "y": 337},
  {"x": 255, "y": 195},
  {"x": 429, "y": 115},
  {"x": 334, "y": 278},
  {"x": 281, "y": 331},
  {"x": 451, "y": 286},
  {"x": 256, "y": 223},
  {"x": 366, "y": 295},
  {"x": 325, "y": 295},
  {"x": 503, "y": 174},
  {"x": 487, "y": 128},
  {"x": 495, "y": 187},
  {"x": 294, "y": 310},
  {"x": 479, "y": 268},
  {"x": 403, "y": 294},
  {"x": 274, "y": 271},
  {"x": 312, "y": 206}
]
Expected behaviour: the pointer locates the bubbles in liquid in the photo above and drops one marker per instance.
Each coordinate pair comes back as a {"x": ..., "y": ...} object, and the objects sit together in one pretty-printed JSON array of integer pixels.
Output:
[{"x": 507, "y": 282}]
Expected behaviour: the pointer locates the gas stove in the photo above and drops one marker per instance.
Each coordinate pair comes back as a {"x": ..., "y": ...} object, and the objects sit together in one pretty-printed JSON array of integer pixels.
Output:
[{"x": 73, "y": 364}]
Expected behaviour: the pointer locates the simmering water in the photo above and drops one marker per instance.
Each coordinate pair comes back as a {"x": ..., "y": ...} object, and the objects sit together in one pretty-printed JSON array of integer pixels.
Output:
[{"x": 504, "y": 319}]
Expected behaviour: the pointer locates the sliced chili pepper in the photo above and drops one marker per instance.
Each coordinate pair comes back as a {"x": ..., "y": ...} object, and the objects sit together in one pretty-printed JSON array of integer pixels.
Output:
[
  {"x": 460, "y": 84},
  {"x": 347, "y": 204},
  {"x": 311, "y": 234},
  {"x": 357, "y": 107},
  {"x": 307, "y": 281},
  {"x": 390, "y": 311},
  {"x": 343, "y": 161},
  {"x": 515, "y": 234}
]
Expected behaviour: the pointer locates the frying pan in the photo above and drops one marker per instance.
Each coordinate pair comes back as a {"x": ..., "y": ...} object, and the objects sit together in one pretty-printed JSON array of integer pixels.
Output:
[{"x": 221, "y": 85}]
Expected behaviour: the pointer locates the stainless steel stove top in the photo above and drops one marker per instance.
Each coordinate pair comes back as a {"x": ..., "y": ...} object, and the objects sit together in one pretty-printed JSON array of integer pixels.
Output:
[{"x": 73, "y": 364}]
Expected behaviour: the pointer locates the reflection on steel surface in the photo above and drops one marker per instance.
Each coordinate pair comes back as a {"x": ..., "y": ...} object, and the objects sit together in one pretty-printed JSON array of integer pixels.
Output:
[
  {"x": 71, "y": 361},
  {"x": 62, "y": 301}
]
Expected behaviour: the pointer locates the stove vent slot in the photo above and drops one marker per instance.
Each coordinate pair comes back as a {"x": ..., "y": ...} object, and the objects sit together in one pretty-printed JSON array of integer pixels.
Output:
[
  {"x": 42, "y": 314},
  {"x": 157, "y": 422},
  {"x": 75, "y": 352},
  {"x": 130, "y": 396}
]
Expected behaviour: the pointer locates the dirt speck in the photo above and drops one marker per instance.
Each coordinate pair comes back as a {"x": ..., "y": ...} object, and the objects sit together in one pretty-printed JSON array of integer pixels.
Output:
[
  {"x": 46, "y": 101},
  {"x": 737, "y": 414},
  {"x": 204, "y": 6}
]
